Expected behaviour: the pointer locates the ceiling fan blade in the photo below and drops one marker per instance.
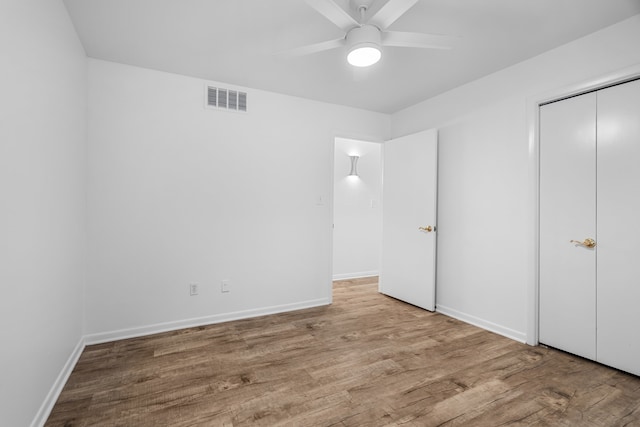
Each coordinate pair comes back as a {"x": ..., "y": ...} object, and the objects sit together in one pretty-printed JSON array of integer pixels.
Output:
[
  {"x": 388, "y": 12},
  {"x": 334, "y": 13},
  {"x": 419, "y": 40},
  {"x": 313, "y": 48}
]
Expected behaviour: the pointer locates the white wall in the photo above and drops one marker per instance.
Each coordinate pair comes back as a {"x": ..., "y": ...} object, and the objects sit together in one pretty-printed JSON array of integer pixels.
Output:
[
  {"x": 42, "y": 199},
  {"x": 484, "y": 243},
  {"x": 179, "y": 193},
  {"x": 357, "y": 211}
]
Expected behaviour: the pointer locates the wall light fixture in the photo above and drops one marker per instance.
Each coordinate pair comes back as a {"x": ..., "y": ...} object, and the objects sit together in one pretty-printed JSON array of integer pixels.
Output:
[{"x": 354, "y": 165}]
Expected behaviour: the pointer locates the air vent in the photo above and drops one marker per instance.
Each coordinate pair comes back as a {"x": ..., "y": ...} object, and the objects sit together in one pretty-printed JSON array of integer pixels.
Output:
[{"x": 226, "y": 99}]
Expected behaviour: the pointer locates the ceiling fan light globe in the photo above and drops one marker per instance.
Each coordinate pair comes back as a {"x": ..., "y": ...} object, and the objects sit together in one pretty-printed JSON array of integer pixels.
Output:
[
  {"x": 364, "y": 55},
  {"x": 363, "y": 45}
]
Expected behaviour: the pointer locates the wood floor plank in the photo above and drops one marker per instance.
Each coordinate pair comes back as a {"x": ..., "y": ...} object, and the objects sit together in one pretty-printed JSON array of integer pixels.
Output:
[{"x": 366, "y": 360}]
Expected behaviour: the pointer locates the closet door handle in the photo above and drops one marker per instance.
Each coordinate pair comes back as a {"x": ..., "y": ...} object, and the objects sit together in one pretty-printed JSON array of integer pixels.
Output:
[{"x": 587, "y": 243}]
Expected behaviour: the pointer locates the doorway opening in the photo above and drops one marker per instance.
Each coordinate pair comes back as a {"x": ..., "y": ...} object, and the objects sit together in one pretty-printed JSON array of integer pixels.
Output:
[{"x": 357, "y": 210}]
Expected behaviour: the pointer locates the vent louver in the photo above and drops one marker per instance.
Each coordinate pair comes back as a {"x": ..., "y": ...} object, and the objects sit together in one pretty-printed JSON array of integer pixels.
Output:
[
  {"x": 242, "y": 101},
  {"x": 222, "y": 98},
  {"x": 233, "y": 100},
  {"x": 226, "y": 99}
]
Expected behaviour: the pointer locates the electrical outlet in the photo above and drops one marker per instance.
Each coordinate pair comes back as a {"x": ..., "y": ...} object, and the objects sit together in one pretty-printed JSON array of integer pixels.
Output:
[
  {"x": 193, "y": 289},
  {"x": 226, "y": 286}
]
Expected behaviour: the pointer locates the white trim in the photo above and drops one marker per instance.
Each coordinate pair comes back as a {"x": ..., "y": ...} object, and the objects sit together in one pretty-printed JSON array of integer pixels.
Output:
[
  {"x": 332, "y": 206},
  {"x": 382, "y": 157},
  {"x": 533, "y": 216},
  {"x": 58, "y": 385},
  {"x": 481, "y": 323},
  {"x": 533, "y": 108},
  {"x": 347, "y": 276},
  {"x": 121, "y": 334}
]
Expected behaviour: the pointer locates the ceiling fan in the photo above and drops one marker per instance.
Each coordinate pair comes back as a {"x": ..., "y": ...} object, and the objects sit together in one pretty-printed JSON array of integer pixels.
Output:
[{"x": 366, "y": 34}]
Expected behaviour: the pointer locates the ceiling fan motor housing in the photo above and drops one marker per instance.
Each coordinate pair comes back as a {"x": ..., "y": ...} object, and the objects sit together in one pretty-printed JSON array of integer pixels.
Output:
[{"x": 366, "y": 35}]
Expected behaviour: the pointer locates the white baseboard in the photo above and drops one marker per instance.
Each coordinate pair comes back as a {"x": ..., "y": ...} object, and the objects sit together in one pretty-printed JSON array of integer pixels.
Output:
[
  {"x": 58, "y": 385},
  {"x": 103, "y": 337},
  {"x": 484, "y": 324},
  {"x": 346, "y": 276}
]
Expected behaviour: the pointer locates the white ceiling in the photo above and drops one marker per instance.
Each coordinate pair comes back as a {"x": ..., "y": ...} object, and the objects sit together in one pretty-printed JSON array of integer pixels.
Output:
[{"x": 236, "y": 41}]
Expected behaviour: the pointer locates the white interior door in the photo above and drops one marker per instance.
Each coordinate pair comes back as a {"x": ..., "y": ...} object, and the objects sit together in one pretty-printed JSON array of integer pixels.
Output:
[
  {"x": 590, "y": 183},
  {"x": 567, "y": 318},
  {"x": 409, "y": 194},
  {"x": 619, "y": 226}
]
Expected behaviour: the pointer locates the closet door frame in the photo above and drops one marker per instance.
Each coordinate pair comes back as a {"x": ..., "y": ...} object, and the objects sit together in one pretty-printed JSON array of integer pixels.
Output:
[{"x": 533, "y": 115}]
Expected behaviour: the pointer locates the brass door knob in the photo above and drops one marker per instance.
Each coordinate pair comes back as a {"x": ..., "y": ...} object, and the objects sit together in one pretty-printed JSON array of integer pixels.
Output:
[
  {"x": 428, "y": 228},
  {"x": 587, "y": 243}
]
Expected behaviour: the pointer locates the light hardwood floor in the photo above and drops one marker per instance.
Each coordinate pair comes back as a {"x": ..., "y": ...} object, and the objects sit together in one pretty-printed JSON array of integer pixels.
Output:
[{"x": 366, "y": 360}]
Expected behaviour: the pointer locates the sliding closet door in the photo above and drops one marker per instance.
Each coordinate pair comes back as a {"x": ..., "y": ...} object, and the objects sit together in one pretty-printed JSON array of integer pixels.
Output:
[
  {"x": 619, "y": 226},
  {"x": 568, "y": 212}
]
